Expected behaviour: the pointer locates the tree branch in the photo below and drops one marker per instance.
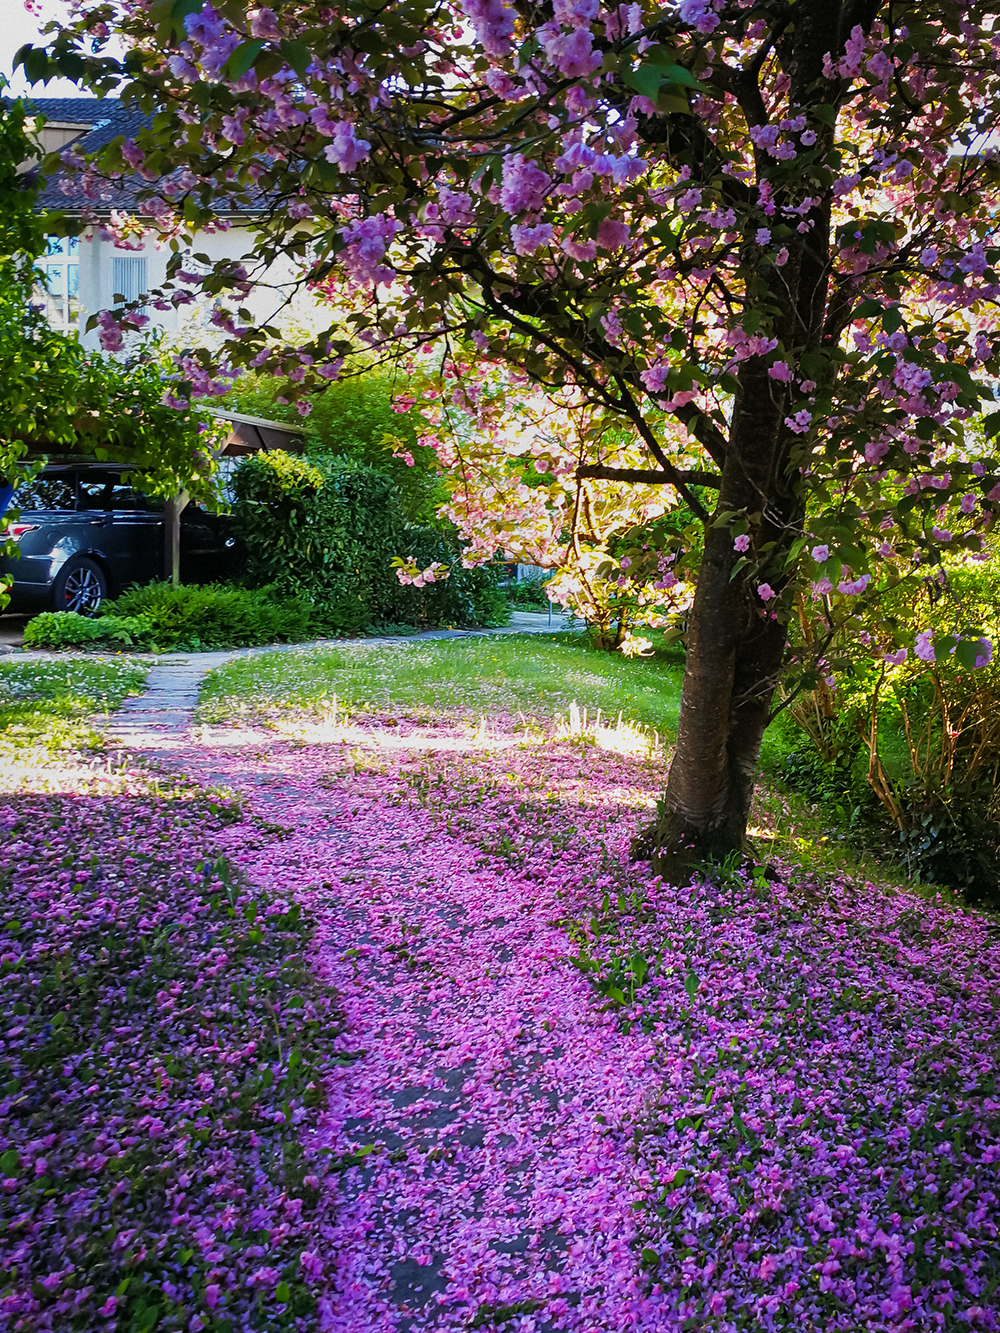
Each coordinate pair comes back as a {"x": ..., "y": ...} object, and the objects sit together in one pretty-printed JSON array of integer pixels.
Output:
[{"x": 638, "y": 474}]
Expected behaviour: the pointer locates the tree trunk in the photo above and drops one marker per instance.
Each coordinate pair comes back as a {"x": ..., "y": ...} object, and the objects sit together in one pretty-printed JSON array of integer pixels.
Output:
[
  {"x": 734, "y": 651},
  {"x": 734, "y": 654}
]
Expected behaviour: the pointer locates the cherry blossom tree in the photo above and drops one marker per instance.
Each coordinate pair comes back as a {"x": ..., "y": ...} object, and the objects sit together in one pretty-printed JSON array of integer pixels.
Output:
[{"x": 756, "y": 234}]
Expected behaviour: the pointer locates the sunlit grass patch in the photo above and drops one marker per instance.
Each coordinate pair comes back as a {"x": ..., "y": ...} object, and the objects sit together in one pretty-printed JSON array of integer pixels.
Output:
[
  {"x": 536, "y": 675},
  {"x": 50, "y": 704}
]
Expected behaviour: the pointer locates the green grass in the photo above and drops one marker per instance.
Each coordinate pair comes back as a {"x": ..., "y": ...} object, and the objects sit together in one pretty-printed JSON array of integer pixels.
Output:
[
  {"x": 539, "y": 675},
  {"x": 50, "y": 704}
]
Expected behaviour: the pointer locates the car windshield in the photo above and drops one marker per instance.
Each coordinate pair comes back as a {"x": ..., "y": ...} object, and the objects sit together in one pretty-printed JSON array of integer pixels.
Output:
[{"x": 46, "y": 492}]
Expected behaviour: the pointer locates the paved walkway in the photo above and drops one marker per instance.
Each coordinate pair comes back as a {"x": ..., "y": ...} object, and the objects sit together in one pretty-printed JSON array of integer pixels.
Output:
[{"x": 158, "y": 719}]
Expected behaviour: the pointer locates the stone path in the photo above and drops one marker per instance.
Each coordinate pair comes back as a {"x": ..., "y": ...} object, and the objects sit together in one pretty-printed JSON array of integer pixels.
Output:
[{"x": 157, "y": 720}]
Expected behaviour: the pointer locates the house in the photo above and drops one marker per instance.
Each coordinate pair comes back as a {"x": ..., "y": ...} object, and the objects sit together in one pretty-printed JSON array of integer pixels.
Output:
[{"x": 93, "y": 272}]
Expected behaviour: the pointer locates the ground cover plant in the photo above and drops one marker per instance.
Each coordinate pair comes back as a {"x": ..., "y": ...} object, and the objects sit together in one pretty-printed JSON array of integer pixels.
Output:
[
  {"x": 592, "y": 1100},
  {"x": 157, "y": 1073}
]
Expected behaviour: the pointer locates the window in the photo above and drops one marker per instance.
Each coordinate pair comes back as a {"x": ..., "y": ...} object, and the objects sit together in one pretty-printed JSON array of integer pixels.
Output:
[
  {"x": 61, "y": 267},
  {"x": 49, "y": 491},
  {"x": 128, "y": 278}
]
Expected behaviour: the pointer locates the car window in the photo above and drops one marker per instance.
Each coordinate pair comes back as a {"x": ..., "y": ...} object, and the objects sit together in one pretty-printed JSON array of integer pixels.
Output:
[
  {"x": 126, "y": 497},
  {"x": 92, "y": 489},
  {"x": 45, "y": 493}
]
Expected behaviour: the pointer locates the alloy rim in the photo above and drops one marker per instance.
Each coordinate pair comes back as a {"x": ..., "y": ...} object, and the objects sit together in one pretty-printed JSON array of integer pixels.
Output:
[{"x": 83, "y": 592}]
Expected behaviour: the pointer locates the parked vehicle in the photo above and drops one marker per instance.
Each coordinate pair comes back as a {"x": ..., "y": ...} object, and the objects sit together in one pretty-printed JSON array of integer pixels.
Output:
[{"x": 84, "y": 535}]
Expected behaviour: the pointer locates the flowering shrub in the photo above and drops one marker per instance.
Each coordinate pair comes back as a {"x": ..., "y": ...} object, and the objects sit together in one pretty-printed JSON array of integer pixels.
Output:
[
  {"x": 157, "y": 1071},
  {"x": 919, "y": 728}
]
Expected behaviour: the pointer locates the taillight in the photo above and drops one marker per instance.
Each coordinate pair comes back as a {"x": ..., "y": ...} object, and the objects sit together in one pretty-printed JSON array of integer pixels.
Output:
[{"x": 17, "y": 530}]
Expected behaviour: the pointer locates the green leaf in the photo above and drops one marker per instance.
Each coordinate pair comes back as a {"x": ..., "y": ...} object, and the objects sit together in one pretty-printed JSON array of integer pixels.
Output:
[
  {"x": 827, "y": 114},
  {"x": 680, "y": 1177},
  {"x": 892, "y": 319},
  {"x": 991, "y": 424},
  {"x": 298, "y": 56},
  {"x": 10, "y": 1162},
  {"x": 943, "y": 646},
  {"x": 868, "y": 308},
  {"x": 242, "y": 58},
  {"x": 645, "y": 79},
  {"x": 691, "y": 985},
  {"x": 650, "y": 1257},
  {"x": 968, "y": 651},
  {"x": 283, "y": 1292},
  {"x": 35, "y": 62},
  {"x": 678, "y": 74}
]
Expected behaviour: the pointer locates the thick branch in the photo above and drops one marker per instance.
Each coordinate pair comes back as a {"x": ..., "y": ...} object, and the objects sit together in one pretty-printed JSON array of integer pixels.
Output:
[{"x": 638, "y": 474}]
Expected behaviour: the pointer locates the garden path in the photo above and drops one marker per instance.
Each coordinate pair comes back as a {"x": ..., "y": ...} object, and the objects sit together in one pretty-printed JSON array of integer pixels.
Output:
[{"x": 158, "y": 719}]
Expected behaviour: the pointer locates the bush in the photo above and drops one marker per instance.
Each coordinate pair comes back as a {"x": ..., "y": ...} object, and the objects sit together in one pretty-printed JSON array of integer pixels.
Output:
[
  {"x": 65, "y": 629},
  {"x": 326, "y": 530},
  {"x": 161, "y": 617},
  {"x": 528, "y": 594},
  {"x": 354, "y": 419},
  {"x": 908, "y": 755}
]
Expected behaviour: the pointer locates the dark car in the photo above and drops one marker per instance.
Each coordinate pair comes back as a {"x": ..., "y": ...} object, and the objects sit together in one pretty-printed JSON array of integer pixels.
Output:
[{"x": 85, "y": 534}]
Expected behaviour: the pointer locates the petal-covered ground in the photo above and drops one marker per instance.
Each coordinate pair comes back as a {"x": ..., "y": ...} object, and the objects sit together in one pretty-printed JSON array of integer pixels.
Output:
[
  {"x": 591, "y": 1101},
  {"x": 558, "y": 1094}
]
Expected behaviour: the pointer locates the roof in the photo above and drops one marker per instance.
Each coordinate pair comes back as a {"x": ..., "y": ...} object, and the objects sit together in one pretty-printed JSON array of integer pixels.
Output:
[
  {"x": 107, "y": 118},
  {"x": 248, "y": 434}
]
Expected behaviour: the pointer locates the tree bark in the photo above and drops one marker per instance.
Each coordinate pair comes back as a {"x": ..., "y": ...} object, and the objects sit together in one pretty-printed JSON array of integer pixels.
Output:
[{"x": 734, "y": 653}]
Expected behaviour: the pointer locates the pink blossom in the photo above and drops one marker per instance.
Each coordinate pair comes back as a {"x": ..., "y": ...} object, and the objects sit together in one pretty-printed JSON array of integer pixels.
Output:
[
  {"x": 529, "y": 239},
  {"x": 581, "y": 250},
  {"x": 742, "y": 542},
  {"x": 897, "y": 658},
  {"x": 493, "y": 21},
  {"x": 765, "y": 592},
  {"x": 524, "y": 185},
  {"x": 799, "y": 423},
  {"x": 763, "y": 235},
  {"x": 346, "y": 150},
  {"x": 968, "y": 503},
  {"x": 780, "y": 371},
  {"x": 924, "y": 648},
  {"x": 820, "y": 553},
  {"x": 700, "y": 14},
  {"x": 612, "y": 235},
  {"x": 572, "y": 53}
]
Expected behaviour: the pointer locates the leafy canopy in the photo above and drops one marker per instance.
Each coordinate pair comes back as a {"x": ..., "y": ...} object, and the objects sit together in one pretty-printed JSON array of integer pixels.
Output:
[{"x": 758, "y": 235}]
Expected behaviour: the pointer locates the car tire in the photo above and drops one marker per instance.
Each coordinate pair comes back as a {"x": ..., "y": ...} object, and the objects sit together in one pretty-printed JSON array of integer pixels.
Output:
[{"x": 81, "y": 585}]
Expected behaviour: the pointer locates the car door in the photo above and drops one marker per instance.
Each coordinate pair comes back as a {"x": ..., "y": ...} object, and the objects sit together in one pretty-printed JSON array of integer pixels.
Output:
[{"x": 137, "y": 532}]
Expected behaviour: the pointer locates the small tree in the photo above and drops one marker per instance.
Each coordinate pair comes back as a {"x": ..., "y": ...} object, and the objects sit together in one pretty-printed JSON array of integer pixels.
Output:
[{"x": 758, "y": 234}]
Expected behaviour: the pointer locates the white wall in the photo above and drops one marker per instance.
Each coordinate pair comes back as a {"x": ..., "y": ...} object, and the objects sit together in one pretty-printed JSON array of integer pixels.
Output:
[{"x": 191, "y": 322}]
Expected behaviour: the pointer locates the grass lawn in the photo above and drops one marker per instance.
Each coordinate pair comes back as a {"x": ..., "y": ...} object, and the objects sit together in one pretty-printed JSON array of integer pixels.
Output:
[
  {"x": 535, "y": 674},
  {"x": 51, "y": 704},
  {"x": 541, "y": 677}
]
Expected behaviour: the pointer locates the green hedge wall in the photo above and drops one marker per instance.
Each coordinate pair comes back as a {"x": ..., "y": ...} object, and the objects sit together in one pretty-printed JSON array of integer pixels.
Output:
[{"x": 326, "y": 530}]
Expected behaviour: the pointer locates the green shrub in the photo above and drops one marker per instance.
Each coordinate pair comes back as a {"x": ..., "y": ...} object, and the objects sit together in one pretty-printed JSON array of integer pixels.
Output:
[
  {"x": 326, "y": 530},
  {"x": 65, "y": 629},
  {"x": 212, "y": 616},
  {"x": 907, "y": 756},
  {"x": 354, "y": 419},
  {"x": 162, "y": 618},
  {"x": 528, "y": 594}
]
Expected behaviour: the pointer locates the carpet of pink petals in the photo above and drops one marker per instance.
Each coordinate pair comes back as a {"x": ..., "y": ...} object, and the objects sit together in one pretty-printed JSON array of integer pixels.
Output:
[
  {"x": 565, "y": 1096},
  {"x": 792, "y": 1122}
]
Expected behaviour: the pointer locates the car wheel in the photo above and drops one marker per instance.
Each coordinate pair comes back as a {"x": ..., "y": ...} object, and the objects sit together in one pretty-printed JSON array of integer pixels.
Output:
[{"x": 80, "y": 586}]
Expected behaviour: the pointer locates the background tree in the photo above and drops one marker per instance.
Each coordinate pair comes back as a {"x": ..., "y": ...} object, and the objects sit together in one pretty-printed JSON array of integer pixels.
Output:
[{"x": 763, "y": 229}]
